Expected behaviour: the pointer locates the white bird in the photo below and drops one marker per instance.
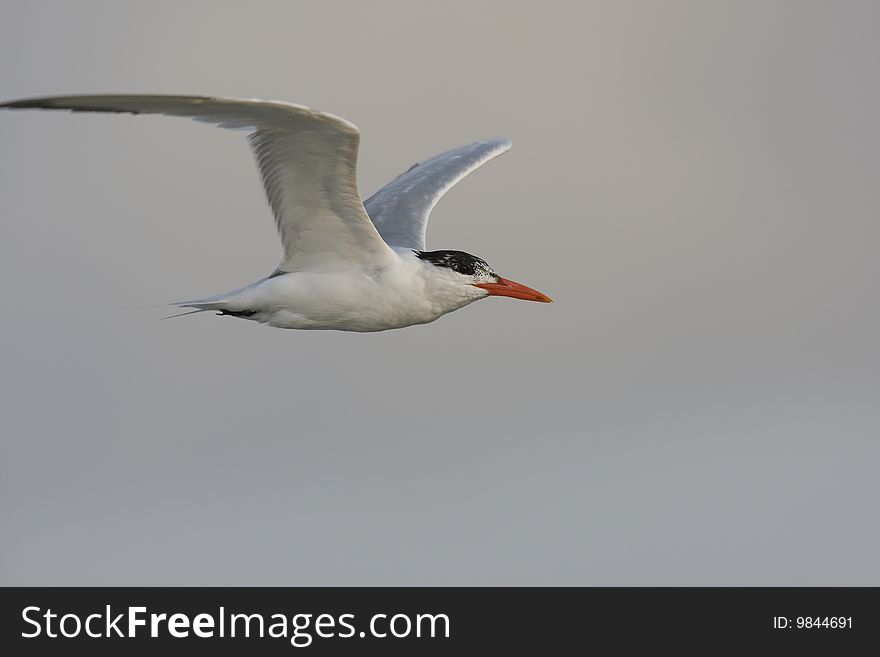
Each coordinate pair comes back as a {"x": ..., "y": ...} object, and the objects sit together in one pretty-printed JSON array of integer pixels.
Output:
[{"x": 347, "y": 265}]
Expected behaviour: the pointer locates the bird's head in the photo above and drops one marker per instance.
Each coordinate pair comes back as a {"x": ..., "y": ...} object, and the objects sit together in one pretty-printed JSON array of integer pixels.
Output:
[{"x": 474, "y": 278}]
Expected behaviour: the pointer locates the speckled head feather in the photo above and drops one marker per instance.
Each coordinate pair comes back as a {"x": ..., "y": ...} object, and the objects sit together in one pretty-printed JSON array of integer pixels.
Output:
[{"x": 459, "y": 261}]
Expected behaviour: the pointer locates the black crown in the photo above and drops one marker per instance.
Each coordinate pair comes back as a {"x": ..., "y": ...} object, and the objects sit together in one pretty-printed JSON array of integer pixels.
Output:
[{"x": 463, "y": 263}]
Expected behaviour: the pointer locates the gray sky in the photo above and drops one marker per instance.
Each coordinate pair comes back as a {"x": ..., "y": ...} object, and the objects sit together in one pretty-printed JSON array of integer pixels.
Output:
[{"x": 695, "y": 183}]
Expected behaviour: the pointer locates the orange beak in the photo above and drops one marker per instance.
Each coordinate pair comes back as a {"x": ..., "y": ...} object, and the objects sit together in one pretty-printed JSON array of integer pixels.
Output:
[{"x": 507, "y": 288}]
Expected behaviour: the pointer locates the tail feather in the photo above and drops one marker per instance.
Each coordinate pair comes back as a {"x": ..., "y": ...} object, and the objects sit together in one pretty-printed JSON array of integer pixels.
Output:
[
  {"x": 229, "y": 303},
  {"x": 191, "y": 312},
  {"x": 208, "y": 303}
]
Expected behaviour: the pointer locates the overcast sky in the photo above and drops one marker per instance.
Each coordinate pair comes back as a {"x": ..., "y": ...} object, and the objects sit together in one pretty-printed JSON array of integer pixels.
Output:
[{"x": 694, "y": 183}]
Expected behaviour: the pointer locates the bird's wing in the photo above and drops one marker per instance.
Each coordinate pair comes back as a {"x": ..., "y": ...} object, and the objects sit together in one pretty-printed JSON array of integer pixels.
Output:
[
  {"x": 400, "y": 210},
  {"x": 308, "y": 160}
]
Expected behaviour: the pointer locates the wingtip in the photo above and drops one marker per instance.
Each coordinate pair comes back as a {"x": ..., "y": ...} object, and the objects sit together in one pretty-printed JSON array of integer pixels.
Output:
[
  {"x": 70, "y": 103},
  {"x": 13, "y": 104},
  {"x": 501, "y": 143},
  {"x": 27, "y": 103}
]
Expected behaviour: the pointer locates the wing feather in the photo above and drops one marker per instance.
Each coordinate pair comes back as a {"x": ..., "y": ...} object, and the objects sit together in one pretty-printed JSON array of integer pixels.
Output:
[
  {"x": 401, "y": 209},
  {"x": 308, "y": 161}
]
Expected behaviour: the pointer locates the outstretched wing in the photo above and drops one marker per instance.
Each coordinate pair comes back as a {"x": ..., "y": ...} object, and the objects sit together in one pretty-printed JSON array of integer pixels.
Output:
[
  {"x": 400, "y": 210},
  {"x": 308, "y": 161}
]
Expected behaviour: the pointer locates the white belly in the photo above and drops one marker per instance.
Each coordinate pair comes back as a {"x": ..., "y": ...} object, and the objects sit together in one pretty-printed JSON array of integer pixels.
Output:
[{"x": 350, "y": 301}]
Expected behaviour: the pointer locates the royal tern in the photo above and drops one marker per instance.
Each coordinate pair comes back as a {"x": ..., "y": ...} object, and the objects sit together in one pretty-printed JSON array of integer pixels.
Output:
[{"x": 347, "y": 265}]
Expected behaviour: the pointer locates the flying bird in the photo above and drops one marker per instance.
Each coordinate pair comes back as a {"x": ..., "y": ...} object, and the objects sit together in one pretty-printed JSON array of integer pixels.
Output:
[{"x": 347, "y": 265}]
